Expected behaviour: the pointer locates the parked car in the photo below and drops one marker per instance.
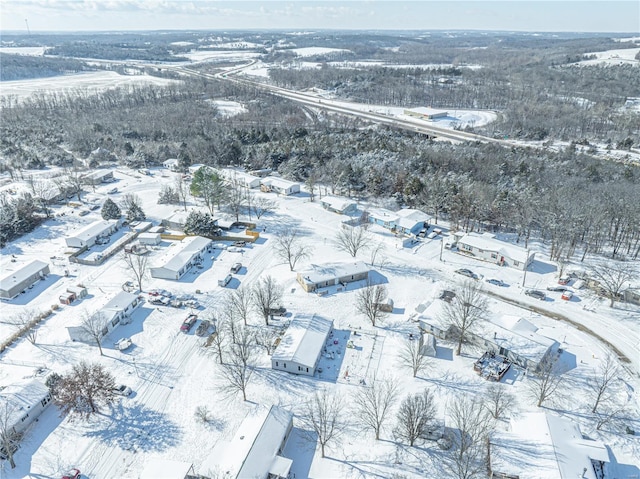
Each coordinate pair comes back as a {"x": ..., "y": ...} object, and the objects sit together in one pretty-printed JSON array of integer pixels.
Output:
[
  {"x": 240, "y": 243},
  {"x": 112, "y": 191},
  {"x": 447, "y": 296},
  {"x": 567, "y": 295},
  {"x": 279, "y": 311},
  {"x": 236, "y": 268},
  {"x": 564, "y": 280},
  {"x": 496, "y": 282},
  {"x": 422, "y": 233},
  {"x": 188, "y": 323},
  {"x": 235, "y": 249},
  {"x": 534, "y": 293},
  {"x": 72, "y": 474},
  {"x": 556, "y": 287},
  {"x": 123, "y": 343},
  {"x": 94, "y": 207},
  {"x": 225, "y": 281},
  {"x": 203, "y": 328},
  {"x": 467, "y": 272},
  {"x": 122, "y": 390},
  {"x": 83, "y": 212}
]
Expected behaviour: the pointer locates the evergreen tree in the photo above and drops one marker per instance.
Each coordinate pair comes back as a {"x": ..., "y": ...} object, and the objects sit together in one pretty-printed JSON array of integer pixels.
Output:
[
  {"x": 199, "y": 223},
  {"x": 110, "y": 211},
  {"x": 135, "y": 213}
]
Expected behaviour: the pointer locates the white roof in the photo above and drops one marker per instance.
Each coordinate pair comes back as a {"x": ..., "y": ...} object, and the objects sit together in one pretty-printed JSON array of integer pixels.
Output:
[
  {"x": 252, "y": 453},
  {"x": 408, "y": 217},
  {"x": 383, "y": 214},
  {"x": 240, "y": 176},
  {"x": 423, "y": 110},
  {"x": 304, "y": 339},
  {"x": 187, "y": 250},
  {"x": 98, "y": 174},
  {"x": 21, "y": 397},
  {"x": 142, "y": 226},
  {"x": 545, "y": 446},
  {"x": 170, "y": 161},
  {"x": 165, "y": 469},
  {"x": 278, "y": 182},
  {"x": 120, "y": 301},
  {"x": 149, "y": 236},
  {"x": 14, "y": 277},
  {"x": 337, "y": 202},
  {"x": 93, "y": 230},
  {"x": 487, "y": 241},
  {"x": 319, "y": 273}
]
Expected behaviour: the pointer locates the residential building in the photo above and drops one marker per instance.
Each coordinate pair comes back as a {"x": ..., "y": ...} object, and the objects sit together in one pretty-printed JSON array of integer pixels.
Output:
[
  {"x": 330, "y": 274},
  {"x": 425, "y": 113},
  {"x": 184, "y": 255},
  {"x": 343, "y": 206},
  {"x": 88, "y": 235},
  {"x": 301, "y": 346},
  {"x": 411, "y": 221},
  {"x": 149, "y": 238},
  {"x": 158, "y": 468},
  {"x": 240, "y": 177},
  {"x": 22, "y": 403},
  {"x": 172, "y": 164},
  {"x": 15, "y": 282},
  {"x": 486, "y": 247},
  {"x": 97, "y": 177},
  {"x": 543, "y": 445},
  {"x": 279, "y": 185},
  {"x": 256, "y": 448}
]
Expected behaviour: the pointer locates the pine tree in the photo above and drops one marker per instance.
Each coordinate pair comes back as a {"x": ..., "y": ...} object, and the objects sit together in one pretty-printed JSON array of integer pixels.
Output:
[
  {"x": 110, "y": 211},
  {"x": 135, "y": 213}
]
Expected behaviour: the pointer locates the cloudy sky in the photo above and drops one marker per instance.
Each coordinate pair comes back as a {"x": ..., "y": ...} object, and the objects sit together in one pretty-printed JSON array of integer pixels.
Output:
[{"x": 507, "y": 15}]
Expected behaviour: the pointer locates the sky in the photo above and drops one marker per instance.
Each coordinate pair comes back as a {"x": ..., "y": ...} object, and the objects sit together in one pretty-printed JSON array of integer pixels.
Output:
[{"x": 511, "y": 15}]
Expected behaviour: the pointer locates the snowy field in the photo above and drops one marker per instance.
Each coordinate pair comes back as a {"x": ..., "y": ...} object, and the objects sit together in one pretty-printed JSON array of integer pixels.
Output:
[
  {"x": 624, "y": 56},
  {"x": 172, "y": 373},
  {"x": 31, "y": 51}
]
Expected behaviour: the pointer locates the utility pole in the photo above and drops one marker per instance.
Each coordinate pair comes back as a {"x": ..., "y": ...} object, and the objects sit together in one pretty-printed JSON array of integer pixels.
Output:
[
  {"x": 27, "y": 23},
  {"x": 441, "y": 247},
  {"x": 524, "y": 279}
]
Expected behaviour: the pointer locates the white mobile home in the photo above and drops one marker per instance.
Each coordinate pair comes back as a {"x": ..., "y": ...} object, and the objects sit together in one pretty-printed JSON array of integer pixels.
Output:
[
  {"x": 411, "y": 221},
  {"x": 486, "y": 247},
  {"x": 172, "y": 164},
  {"x": 300, "y": 348},
  {"x": 15, "y": 282},
  {"x": 280, "y": 185},
  {"x": 111, "y": 315},
  {"x": 343, "y": 206},
  {"x": 186, "y": 254},
  {"x": 87, "y": 236},
  {"x": 97, "y": 177},
  {"x": 255, "y": 450},
  {"x": 330, "y": 274},
  {"x": 241, "y": 178},
  {"x": 543, "y": 445},
  {"x": 21, "y": 404}
]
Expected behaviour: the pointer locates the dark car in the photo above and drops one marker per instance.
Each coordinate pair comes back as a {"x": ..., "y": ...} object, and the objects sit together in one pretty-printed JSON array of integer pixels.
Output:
[
  {"x": 467, "y": 272},
  {"x": 203, "y": 328},
  {"x": 557, "y": 287},
  {"x": 496, "y": 282},
  {"x": 188, "y": 323},
  {"x": 279, "y": 311},
  {"x": 534, "y": 293},
  {"x": 240, "y": 244}
]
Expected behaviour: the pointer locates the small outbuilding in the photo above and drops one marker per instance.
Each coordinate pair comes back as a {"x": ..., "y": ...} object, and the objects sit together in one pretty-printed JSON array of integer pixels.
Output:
[
  {"x": 428, "y": 345},
  {"x": 15, "y": 282},
  {"x": 186, "y": 254},
  {"x": 301, "y": 346},
  {"x": 342, "y": 206},
  {"x": 67, "y": 298},
  {"x": 149, "y": 238},
  {"x": 331, "y": 274}
]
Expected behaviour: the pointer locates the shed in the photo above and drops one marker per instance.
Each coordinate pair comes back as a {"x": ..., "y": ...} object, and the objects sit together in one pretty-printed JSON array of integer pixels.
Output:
[
  {"x": 141, "y": 226},
  {"x": 15, "y": 282},
  {"x": 428, "y": 345},
  {"x": 67, "y": 298},
  {"x": 22, "y": 403},
  {"x": 149, "y": 238},
  {"x": 157, "y": 468},
  {"x": 189, "y": 252},
  {"x": 330, "y": 274},
  {"x": 79, "y": 291},
  {"x": 98, "y": 176},
  {"x": 300, "y": 348}
]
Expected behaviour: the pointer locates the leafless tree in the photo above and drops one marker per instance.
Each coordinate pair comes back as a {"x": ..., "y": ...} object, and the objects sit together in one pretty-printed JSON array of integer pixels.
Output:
[
  {"x": 71, "y": 181},
  {"x": 219, "y": 341},
  {"x": 137, "y": 267},
  {"x": 289, "y": 246},
  {"x": 266, "y": 294},
  {"x": 374, "y": 401},
  {"x": 497, "y": 400},
  {"x": 602, "y": 379},
  {"x": 94, "y": 326},
  {"x": 182, "y": 190},
  {"x": 26, "y": 324},
  {"x": 353, "y": 239},
  {"x": 42, "y": 193},
  {"x": 545, "y": 381},
  {"x": 261, "y": 206},
  {"x": 473, "y": 424},
  {"x": 370, "y": 302},
  {"x": 417, "y": 412},
  {"x": 238, "y": 370},
  {"x": 410, "y": 356},
  {"x": 464, "y": 311},
  {"x": 9, "y": 437},
  {"x": 130, "y": 200},
  {"x": 613, "y": 276},
  {"x": 239, "y": 304},
  {"x": 322, "y": 415},
  {"x": 202, "y": 414},
  {"x": 85, "y": 389},
  {"x": 377, "y": 255},
  {"x": 236, "y": 199},
  {"x": 266, "y": 337}
]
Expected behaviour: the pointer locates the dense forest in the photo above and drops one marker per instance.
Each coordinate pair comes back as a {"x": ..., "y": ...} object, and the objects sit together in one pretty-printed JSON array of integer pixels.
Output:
[{"x": 576, "y": 202}]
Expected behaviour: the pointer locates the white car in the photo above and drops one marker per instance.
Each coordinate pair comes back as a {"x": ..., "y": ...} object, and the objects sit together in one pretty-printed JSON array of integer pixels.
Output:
[
  {"x": 123, "y": 343},
  {"x": 122, "y": 390},
  {"x": 235, "y": 249}
]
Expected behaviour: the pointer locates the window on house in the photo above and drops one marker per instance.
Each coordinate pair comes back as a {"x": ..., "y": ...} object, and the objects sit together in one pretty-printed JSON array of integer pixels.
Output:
[
  {"x": 307, "y": 369},
  {"x": 276, "y": 363},
  {"x": 284, "y": 365},
  {"x": 516, "y": 263},
  {"x": 24, "y": 418},
  {"x": 494, "y": 256},
  {"x": 115, "y": 321},
  {"x": 105, "y": 330}
]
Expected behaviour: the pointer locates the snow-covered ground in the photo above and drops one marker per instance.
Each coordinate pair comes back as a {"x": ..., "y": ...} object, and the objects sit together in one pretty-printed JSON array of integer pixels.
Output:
[
  {"x": 32, "y": 51},
  {"x": 623, "y": 56},
  {"x": 171, "y": 373},
  {"x": 311, "y": 51}
]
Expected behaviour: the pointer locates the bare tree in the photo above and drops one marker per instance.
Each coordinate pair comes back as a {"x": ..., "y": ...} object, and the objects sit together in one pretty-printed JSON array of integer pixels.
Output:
[
  {"x": 239, "y": 304},
  {"x": 612, "y": 277},
  {"x": 262, "y": 206},
  {"x": 218, "y": 339},
  {"x": 42, "y": 193},
  {"x": 95, "y": 327},
  {"x": 370, "y": 302},
  {"x": 236, "y": 199},
  {"x": 464, "y": 312},
  {"x": 132, "y": 204},
  {"x": 266, "y": 294},
  {"x": 26, "y": 324},
  {"x": 238, "y": 370},
  {"x": 290, "y": 248},
  {"x": 417, "y": 412},
  {"x": 374, "y": 401},
  {"x": 9, "y": 437},
  {"x": 322, "y": 416},
  {"x": 497, "y": 400},
  {"x": 410, "y": 356},
  {"x": 600, "y": 382},
  {"x": 137, "y": 266},
  {"x": 266, "y": 338},
  {"x": 71, "y": 181},
  {"x": 377, "y": 255},
  {"x": 85, "y": 389},
  {"x": 544, "y": 382},
  {"x": 182, "y": 190},
  {"x": 473, "y": 424},
  {"x": 353, "y": 239}
]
